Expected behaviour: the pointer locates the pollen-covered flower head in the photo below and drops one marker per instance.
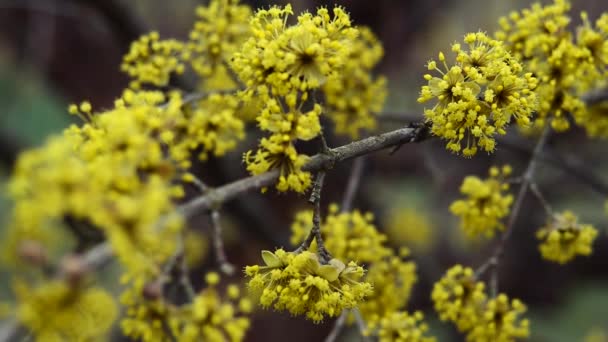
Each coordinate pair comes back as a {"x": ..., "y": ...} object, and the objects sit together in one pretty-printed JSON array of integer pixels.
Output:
[
  {"x": 393, "y": 279},
  {"x": 281, "y": 57},
  {"x": 400, "y": 326},
  {"x": 567, "y": 62},
  {"x": 292, "y": 121},
  {"x": 354, "y": 96},
  {"x": 278, "y": 152},
  {"x": 500, "y": 321},
  {"x": 152, "y": 61},
  {"x": 300, "y": 284},
  {"x": 348, "y": 235},
  {"x": 57, "y": 311},
  {"x": 459, "y": 297},
  {"x": 478, "y": 95},
  {"x": 219, "y": 31},
  {"x": 213, "y": 316},
  {"x": 563, "y": 238},
  {"x": 486, "y": 203}
]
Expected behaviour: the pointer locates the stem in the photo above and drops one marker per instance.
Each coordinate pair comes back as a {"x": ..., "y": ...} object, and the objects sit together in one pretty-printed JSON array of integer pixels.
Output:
[
  {"x": 218, "y": 245},
  {"x": 317, "y": 162},
  {"x": 354, "y": 181},
  {"x": 315, "y": 199},
  {"x": 338, "y": 326},
  {"x": 527, "y": 178},
  {"x": 541, "y": 198}
]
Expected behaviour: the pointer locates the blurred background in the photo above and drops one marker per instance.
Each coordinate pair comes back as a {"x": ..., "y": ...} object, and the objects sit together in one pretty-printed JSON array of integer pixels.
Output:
[{"x": 57, "y": 52}]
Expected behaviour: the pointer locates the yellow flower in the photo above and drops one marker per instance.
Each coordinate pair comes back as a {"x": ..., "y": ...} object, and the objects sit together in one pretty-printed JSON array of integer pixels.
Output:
[
  {"x": 393, "y": 279},
  {"x": 459, "y": 298},
  {"x": 563, "y": 238},
  {"x": 401, "y": 327},
  {"x": 278, "y": 58},
  {"x": 353, "y": 96},
  {"x": 211, "y": 124},
  {"x": 353, "y": 236},
  {"x": 148, "y": 316},
  {"x": 478, "y": 96},
  {"x": 348, "y": 235},
  {"x": 220, "y": 29},
  {"x": 486, "y": 204},
  {"x": 210, "y": 317},
  {"x": 292, "y": 122},
  {"x": 500, "y": 321},
  {"x": 55, "y": 311},
  {"x": 300, "y": 284},
  {"x": 278, "y": 152},
  {"x": 152, "y": 61},
  {"x": 567, "y": 65}
]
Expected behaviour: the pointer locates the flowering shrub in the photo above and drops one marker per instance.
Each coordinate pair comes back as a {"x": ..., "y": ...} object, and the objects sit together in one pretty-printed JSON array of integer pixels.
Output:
[{"x": 119, "y": 185}]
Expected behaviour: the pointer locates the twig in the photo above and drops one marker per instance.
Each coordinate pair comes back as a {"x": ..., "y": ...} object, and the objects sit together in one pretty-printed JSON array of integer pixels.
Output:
[
  {"x": 218, "y": 244},
  {"x": 360, "y": 323},
  {"x": 595, "y": 97},
  {"x": 354, "y": 180},
  {"x": 541, "y": 198},
  {"x": 338, "y": 326},
  {"x": 339, "y": 154},
  {"x": 526, "y": 179},
  {"x": 178, "y": 265},
  {"x": 315, "y": 200},
  {"x": 569, "y": 164}
]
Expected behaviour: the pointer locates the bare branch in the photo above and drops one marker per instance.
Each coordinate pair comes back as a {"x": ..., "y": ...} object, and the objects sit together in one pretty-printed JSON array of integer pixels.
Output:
[
  {"x": 541, "y": 198},
  {"x": 338, "y": 326},
  {"x": 218, "y": 245},
  {"x": 216, "y": 197},
  {"x": 354, "y": 180},
  {"x": 526, "y": 179}
]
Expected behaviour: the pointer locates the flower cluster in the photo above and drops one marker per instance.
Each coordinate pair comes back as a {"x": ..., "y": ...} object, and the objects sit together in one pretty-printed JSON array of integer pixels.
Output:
[
  {"x": 487, "y": 202},
  {"x": 56, "y": 311},
  {"x": 219, "y": 31},
  {"x": 461, "y": 299},
  {"x": 353, "y": 96},
  {"x": 563, "y": 238},
  {"x": 353, "y": 236},
  {"x": 111, "y": 175},
  {"x": 279, "y": 59},
  {"x": 401, "y": 327},
  {"x": 458, "y": 297},
  {"x": 567, "y": 64},
  {"x": 300, "y": 284},
  {"x": 478, "y": 96},
  {"x": 283, "y": 65},
  {"x": 278, "y": 151},
  {"x": 500, "y": 321},
  {"x": 210, "y": 316},
  {"x": 152, "y": 61},
  {"x": 348, "y": 235},
  {"x": 393, "y": 279}
]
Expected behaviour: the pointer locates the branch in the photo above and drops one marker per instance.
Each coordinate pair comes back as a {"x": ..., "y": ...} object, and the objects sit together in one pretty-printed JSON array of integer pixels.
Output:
[
  {"x": 526, "y": 180},
  {"x": 354, "y": 181},
  {"x": 338, "y": 326},
  {"x": 214, "y": 198},
  {"x": 596, "y": 96},
  {"x": 569, "y": 164},
  {"x": 218, "y": 244}
]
